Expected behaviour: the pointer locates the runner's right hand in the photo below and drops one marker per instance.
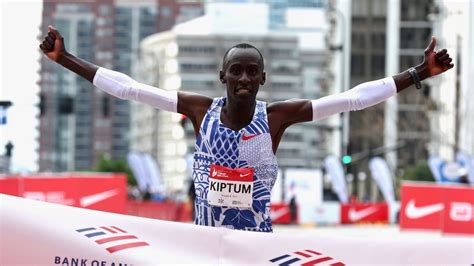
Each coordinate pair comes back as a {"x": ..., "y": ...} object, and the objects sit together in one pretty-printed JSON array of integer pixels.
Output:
[{"x": 53, "y": 44}]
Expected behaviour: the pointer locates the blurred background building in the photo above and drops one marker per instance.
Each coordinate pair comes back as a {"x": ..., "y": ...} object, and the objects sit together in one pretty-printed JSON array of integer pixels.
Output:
[
  {"x": 404, "y": 123},
  {"x": 77, "y": 122},
  {"x": 189, "y": 57},
  {"x": 387, "y": 37},
  {"x": 452, "y": 115},
  {"x": 312, "y": 48}
]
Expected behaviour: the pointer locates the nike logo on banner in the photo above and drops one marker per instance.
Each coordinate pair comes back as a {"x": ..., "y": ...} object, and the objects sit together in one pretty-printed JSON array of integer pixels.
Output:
[
  {"x": 279, "y": 213},
  {"x": 414, "y": 212},
  {"x": 94, "y": 198},
  {"x": 355, "y": 215},
  {"x": 247, "y": 137}
]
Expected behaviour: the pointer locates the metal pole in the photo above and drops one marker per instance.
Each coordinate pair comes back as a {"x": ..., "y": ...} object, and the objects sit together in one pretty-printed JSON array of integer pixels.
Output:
[{"x": 391, "y": 68}]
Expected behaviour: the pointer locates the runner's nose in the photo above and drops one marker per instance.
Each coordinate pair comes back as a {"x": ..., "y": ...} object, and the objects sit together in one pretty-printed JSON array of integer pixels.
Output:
[{"x": 244, "y": 79}]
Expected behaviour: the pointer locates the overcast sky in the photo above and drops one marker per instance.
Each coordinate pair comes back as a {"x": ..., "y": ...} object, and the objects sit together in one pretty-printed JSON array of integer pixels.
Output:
[{"x": 19, "y": 55}]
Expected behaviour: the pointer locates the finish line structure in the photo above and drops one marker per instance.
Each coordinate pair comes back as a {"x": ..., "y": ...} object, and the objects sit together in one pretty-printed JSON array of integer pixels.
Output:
[{"x": 40, "y": 233}]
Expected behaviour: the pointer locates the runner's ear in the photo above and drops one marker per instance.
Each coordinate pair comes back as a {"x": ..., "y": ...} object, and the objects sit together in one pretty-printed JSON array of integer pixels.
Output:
[
  {"x": 221, "y": 76},
  {"x": 264, "y": 78}
]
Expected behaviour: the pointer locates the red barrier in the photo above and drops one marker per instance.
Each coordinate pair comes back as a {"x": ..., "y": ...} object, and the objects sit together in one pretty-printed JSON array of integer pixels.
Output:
[
  {"x": 104, "y": 192},
  {"x": 459, "y": 210},
  {"x": 9, "y": 186},
  {"x": 421, "y": 206},
  {"x": 448, "y": 208},
  {"x": 364, "y": 213},
  {"x": 281, "y": 214},
  {"x": 169, "y": 211}
]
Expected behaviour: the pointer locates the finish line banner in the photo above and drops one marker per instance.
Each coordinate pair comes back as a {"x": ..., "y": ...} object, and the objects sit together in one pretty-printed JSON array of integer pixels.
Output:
[{"x": 40, "y": 233}]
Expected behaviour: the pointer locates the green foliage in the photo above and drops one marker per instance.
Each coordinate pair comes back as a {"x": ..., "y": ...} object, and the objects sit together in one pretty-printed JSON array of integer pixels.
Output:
[
  {"x": 420, "y": 172},
  {"x": 105, "y": 164}
]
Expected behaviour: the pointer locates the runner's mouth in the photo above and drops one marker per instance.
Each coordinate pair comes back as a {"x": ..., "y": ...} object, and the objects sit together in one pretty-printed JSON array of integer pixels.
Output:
[{"x": 244, "y": 90}]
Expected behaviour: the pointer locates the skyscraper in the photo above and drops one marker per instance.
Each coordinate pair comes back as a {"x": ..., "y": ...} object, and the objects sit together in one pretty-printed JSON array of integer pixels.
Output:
[
  {"x": 78, "y": 123},
  {"x": 368, "y": 55}
]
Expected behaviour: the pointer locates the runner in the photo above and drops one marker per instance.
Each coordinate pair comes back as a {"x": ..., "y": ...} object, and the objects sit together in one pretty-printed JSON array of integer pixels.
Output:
[{"x": 237, "y": 136}]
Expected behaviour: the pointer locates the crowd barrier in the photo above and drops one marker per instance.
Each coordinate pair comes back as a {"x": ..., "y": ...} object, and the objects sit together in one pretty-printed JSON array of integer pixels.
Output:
[
  {"x": 167, "y": 211},
  {"x": 96, "y": 191},
  {"x": 442, "y": 207},
  {"x": 40, "y": 233}
]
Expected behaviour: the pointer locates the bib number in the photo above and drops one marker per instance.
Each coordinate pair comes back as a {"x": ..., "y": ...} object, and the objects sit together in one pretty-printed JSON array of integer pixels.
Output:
[{"x": 230, "y": 187}]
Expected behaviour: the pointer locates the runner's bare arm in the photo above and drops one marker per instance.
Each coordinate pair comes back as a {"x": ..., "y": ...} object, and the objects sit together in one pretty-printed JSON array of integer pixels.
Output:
[
  {"x": 53, "y": 47},
  {"x": 194, "y": 106}
]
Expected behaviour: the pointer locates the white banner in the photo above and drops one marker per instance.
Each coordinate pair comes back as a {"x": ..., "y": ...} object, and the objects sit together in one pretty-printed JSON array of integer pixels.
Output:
[
  {"x": 383, "y": 177},
  {"x": 40, "y": 233},
  {"x": 146, "y": 171},
  {"x": 336, "y": 173},
  {"x": 467, "y": 162},
  {"x": 306, "y": 185},
  {"x": 434, "y": 163}
]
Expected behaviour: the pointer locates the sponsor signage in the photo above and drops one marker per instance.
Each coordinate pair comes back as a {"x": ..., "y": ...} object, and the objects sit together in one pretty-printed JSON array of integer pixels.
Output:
[
  {"x": 112, "y": 238},
  {"x": 104, "y": 192},
  {"x": 421, "y": 206},
  {"x": 305, "y": 257},
  {"x": 281, "y": 213},
  {"x": 364, "y": 213},
  {"x": 41, "y": 233},
  {"x": 459, "y": 210},
  {"x": 437, "y": 207}
]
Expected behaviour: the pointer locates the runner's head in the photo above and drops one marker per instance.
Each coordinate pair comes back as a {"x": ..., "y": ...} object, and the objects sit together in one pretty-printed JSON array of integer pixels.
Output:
[{"x": 242, "y": 71}]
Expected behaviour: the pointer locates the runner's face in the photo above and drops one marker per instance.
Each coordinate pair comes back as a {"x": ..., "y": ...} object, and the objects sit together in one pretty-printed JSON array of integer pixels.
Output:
[{"x": 243, "y": 73}]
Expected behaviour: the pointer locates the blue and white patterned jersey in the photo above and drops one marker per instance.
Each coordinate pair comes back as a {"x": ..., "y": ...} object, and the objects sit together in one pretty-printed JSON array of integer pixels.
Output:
[{"x": 220, "y": 145}]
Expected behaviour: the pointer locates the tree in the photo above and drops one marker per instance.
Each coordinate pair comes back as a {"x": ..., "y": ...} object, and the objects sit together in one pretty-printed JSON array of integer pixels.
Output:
[
  {"x": 420, "y": 172},
  {"x": 106, "y": 164}
]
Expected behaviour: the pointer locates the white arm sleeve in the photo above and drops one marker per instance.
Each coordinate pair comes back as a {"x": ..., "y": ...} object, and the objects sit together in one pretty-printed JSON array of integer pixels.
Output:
[
  {"x": 360, "y": 97},
  {"x": 124, "y": 87}
]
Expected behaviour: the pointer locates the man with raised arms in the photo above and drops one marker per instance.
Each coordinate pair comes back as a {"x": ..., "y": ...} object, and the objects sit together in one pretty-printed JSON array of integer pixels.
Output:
[{"x": 237, "y": 136}]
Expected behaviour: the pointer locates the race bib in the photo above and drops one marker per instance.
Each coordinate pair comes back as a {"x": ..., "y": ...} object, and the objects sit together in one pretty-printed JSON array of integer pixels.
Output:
[{"x": 230, "y": 187}]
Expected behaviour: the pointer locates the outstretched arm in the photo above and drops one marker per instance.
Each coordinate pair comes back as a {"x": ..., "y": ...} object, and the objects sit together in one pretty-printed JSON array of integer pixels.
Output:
[
  {"x": 283, "y": 114},
  {"x": 363, "y": 95},
  {"x": 123, "y": 86}
]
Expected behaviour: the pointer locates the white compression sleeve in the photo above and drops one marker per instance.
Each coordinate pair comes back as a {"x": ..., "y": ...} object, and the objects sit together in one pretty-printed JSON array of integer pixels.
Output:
[
  {"x": 124, "y": 87},
  {"x": 360, "y": 97}
]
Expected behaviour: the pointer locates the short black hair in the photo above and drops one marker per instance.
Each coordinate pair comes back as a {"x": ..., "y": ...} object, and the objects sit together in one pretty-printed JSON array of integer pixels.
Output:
[{"x": 243, "y": 46}]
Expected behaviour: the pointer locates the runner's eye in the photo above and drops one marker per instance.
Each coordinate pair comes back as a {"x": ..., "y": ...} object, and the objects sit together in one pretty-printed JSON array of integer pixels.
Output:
[
  {"x": 235, "y": 70},
  {"x": 253, "y": 71}
]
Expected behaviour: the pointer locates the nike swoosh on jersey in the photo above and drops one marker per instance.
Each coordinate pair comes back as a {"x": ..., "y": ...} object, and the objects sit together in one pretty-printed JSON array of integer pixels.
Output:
[
  {"x": 355, "y": 215},
  {"x": 95, "y": 198},
  {"x": 414, "y": 212},
  {"x": 247, "y": 137}
]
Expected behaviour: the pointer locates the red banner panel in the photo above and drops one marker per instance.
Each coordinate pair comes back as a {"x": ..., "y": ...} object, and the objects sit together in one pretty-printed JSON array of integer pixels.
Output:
[
  {"x": 421, "y": 206},
  {"x": 281, "y": 214},
  {"x": 353, "y": 213},
  {"x": 9, "y": 186},
  {"x": 103, "y": 192},
  {"x": 169, "y": 211},
  {"x": 449, "y": 208},
  {"x": 459, "y": 210}
]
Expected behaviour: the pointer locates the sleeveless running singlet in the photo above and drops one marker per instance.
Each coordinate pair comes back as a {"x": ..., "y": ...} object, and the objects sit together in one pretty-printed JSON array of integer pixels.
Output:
[{"x": 249, "y": 148}]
